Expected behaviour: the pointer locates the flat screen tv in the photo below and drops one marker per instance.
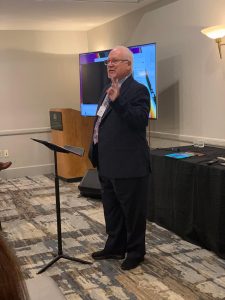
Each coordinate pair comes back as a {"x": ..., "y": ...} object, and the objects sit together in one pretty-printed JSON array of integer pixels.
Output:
[{"x": 93, "y": 76}]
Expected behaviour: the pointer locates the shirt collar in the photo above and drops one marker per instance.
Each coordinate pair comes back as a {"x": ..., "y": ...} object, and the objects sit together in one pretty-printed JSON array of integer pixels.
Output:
[{"x": 124, "y": 79}]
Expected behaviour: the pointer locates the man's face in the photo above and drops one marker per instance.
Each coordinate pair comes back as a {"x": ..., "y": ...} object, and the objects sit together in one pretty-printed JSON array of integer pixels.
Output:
[{"x": 118, "y": 65}]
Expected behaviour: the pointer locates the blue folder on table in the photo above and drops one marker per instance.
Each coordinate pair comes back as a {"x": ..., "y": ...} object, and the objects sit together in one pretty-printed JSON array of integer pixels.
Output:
[{"x": 180, "y": 155}]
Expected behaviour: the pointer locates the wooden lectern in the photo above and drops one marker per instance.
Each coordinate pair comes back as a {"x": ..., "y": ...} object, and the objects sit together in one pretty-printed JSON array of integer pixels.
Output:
[{"x": 68, "y": 127}]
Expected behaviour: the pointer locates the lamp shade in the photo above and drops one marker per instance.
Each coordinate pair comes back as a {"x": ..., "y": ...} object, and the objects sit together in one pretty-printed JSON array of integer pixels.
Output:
[{"x": 214, "y": 32}]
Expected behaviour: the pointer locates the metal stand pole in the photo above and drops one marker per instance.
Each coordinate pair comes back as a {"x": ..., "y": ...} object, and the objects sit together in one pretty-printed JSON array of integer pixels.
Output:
[{"x": 59, "y": 231}]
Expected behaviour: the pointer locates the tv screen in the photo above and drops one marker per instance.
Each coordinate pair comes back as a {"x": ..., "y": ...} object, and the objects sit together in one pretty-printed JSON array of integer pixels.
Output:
[{"x": 93, "y": 76}]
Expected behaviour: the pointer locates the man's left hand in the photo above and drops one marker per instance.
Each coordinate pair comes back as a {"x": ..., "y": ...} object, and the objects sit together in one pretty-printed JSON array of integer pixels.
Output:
[{"x": 114, "y": 91}]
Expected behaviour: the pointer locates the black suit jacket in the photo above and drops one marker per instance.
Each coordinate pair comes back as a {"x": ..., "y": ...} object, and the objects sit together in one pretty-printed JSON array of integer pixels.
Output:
[{"x": 122, "y": 150}]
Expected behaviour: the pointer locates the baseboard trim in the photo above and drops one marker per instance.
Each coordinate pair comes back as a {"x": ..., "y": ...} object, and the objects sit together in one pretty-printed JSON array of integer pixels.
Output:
[{"x": 27, "y": 171}]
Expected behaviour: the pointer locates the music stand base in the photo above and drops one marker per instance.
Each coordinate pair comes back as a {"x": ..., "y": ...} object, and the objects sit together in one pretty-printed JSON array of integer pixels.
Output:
[{"x": 65, "y": 257}]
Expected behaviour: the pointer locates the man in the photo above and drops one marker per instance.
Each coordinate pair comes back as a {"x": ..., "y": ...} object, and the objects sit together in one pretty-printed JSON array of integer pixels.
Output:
[
  {"x": 5, "y": 165},
  {"x": 121, "y": 153}
]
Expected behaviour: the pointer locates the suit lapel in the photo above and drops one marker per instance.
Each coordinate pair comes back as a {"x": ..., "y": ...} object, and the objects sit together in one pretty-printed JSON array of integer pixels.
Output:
[
  {"x": 107, "y": 111},
  {"x": 123, "y": 89},
  {"x": 101, "y": 99}
]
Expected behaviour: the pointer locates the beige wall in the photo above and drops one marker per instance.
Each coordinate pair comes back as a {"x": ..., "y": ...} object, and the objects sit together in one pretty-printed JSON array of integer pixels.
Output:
[
  {"x": 191, "y": 76},
  {"x": 38, "y": 71}
]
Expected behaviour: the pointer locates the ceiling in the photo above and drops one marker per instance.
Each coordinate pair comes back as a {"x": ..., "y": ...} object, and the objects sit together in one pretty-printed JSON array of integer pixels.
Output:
[{"x": 75, "y": 15}]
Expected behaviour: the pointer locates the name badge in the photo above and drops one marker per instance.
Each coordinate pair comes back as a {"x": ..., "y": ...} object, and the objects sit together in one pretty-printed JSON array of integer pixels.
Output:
[{"x": 101, "y": 111}]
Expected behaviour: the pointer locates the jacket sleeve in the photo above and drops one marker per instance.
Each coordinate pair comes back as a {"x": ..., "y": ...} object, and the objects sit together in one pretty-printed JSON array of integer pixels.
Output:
[{"x": 134, "y": 107}]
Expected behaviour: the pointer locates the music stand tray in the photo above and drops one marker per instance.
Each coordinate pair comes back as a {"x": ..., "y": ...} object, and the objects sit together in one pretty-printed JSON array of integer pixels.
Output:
[{"x": 65, "y": 149}]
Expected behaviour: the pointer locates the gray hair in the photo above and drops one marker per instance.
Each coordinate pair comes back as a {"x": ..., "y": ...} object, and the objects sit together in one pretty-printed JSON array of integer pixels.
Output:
[{"x": 126, "y": 52}]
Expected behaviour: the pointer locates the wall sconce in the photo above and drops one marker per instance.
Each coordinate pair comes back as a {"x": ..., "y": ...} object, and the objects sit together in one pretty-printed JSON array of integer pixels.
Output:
[{"x": 216, "y": 33}]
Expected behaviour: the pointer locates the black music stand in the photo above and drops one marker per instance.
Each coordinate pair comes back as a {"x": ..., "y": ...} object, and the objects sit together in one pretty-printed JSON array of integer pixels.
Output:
[{"x": 65, "y": 149}]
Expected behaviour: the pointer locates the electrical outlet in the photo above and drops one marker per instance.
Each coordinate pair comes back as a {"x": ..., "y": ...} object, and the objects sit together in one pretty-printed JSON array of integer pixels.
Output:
[{"x": 6, "y": 153}]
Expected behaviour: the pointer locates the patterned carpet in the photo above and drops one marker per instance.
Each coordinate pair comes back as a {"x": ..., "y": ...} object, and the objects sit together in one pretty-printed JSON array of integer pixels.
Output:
[{"x": 174, "y": 269}]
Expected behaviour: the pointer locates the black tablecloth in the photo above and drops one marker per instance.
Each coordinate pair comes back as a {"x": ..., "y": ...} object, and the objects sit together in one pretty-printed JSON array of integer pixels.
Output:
[{"x": 188, "y": 196}]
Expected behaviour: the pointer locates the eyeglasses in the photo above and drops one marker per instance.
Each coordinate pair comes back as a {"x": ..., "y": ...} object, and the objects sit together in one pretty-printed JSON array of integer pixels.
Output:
[{"x": 114, "y": 61}]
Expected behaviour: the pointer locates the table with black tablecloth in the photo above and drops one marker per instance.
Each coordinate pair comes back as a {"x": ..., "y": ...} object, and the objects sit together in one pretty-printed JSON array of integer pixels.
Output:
[{"x": 188, "y": 195}]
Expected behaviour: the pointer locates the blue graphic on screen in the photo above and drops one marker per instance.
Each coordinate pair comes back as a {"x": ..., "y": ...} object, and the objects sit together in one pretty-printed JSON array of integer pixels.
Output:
[{"x": 93, "y": 76}]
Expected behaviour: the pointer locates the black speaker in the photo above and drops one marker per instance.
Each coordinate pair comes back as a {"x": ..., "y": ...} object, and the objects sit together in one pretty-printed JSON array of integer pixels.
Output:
[{"x": 90, "y": 185}]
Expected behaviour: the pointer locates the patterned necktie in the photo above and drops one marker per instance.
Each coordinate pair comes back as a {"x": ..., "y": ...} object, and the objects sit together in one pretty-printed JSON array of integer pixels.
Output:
[{"x": 95, "y": 135}]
